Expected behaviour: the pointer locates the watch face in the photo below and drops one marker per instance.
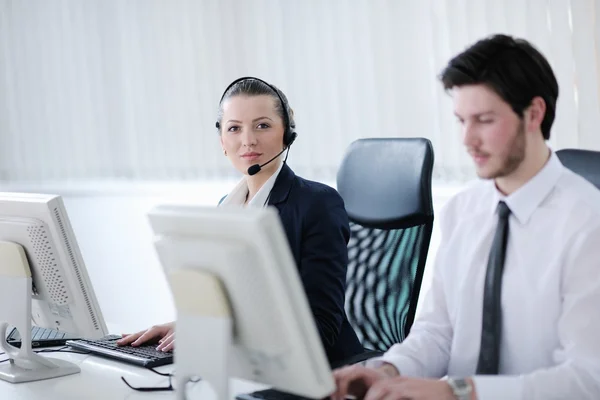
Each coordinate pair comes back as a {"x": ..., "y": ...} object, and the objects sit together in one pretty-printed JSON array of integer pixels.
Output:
[
  {"x": 461, "y": 384},
  {"x": 460, "y": 387}
]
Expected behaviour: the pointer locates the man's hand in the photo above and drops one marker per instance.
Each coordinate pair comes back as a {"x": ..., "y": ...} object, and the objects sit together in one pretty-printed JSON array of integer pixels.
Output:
[
  {"x": 356, "y": 380},
  {"x": 402, "y": 388}
]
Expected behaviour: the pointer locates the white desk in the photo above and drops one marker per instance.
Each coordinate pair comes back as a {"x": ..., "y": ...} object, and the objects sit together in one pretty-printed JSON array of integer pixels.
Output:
[{"x": 100, "y": 378}]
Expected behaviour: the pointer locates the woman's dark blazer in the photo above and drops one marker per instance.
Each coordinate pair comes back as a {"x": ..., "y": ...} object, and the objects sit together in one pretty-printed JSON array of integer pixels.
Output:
[{"x": 317, "y": 228}]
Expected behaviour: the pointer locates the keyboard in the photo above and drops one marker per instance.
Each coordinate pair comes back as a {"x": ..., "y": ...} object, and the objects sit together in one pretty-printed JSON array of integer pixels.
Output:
[
  {"x": 270, "y": 394},
  {"x": 143, "y": 356}
]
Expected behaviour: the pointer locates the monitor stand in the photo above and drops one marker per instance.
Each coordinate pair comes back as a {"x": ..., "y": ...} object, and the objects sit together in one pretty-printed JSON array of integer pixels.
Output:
[
  {"x": 15, "y": 309},
  {"x": 202, "y": 306}
]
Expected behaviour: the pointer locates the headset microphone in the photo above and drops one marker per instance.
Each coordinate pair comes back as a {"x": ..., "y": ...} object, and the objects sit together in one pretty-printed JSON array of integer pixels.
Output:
[{"x": 255, "y": 169}]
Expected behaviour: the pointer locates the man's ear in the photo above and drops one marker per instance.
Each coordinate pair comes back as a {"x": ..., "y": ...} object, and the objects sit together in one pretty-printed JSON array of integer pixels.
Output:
[{"x": 534, "y": 114}]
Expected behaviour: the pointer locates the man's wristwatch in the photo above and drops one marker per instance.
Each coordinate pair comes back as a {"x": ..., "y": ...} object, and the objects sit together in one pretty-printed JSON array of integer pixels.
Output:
[{"x": 461, "y": 388}]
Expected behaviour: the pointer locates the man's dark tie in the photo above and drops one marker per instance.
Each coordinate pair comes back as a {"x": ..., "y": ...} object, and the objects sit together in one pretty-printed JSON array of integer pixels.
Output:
[{"x": 491, "y": 329}]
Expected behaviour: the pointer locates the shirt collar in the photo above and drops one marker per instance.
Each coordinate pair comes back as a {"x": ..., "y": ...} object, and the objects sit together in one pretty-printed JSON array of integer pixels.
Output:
[
  {"x": 525, "y": 200},
  {"x": 238, "y": 194},
  {"x": 261, "y": 197}
]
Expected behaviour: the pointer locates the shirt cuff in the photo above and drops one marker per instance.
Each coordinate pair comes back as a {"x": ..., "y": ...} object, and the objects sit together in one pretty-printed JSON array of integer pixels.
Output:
[
  {"x": 405, "y": 365},
  {"x": 498, "y": 387}
]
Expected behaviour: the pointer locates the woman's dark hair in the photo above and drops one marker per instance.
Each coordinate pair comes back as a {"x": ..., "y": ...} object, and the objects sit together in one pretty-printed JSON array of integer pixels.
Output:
[
  {"x": 512, "y": 68},
  {"x": 256, "y": 87}
]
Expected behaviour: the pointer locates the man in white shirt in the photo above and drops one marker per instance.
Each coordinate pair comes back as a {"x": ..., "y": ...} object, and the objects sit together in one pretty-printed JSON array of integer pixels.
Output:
[{"x": 513, "y": 309}]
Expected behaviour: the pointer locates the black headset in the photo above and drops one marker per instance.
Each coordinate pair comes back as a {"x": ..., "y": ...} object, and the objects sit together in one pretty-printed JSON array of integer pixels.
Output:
[{"x": 289, "y": 134}]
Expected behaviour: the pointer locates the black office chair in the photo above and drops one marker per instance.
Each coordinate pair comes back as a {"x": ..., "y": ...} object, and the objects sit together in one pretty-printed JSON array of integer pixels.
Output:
[
  {"x": 386, "y": 186},
  {"x": 583, "y": 162}
]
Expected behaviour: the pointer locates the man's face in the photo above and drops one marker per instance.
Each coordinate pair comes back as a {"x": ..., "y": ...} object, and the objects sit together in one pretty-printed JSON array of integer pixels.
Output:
[{"x": 493, "y": 133}]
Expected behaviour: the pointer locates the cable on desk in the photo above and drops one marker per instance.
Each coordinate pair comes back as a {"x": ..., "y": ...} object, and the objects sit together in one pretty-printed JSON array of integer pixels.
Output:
[
  {"x": 171, "y": 374},
  {"x": 50, "y": 350},
  {"x": 64, "y": 349},
  {"x": 1, "y": 361},
  {"x": 160, "y": 373},
  {"x": 157, "y": 388},
  {"x": 149, "y": 388}
]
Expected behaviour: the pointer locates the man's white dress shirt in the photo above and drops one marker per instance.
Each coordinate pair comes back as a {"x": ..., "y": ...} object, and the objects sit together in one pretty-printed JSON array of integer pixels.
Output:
[{"x": 550, "y": 347}]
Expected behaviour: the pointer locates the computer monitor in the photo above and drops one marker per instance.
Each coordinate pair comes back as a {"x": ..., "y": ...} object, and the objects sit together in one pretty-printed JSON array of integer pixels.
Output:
[
  {"x": 241, "y": 308},
  {"x": 42, "y": 279}
]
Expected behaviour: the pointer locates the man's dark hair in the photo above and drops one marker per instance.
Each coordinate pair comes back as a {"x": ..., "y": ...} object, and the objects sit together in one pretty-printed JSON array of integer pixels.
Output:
[{"x": 511, "y": 67}]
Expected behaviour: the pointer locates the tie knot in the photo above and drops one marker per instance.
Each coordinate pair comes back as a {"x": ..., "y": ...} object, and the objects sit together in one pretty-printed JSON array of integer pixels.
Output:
[{"x": 503, "y": 210}]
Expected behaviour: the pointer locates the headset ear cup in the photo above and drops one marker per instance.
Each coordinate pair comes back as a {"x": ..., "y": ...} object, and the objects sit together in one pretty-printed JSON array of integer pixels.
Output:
[
  {"x": 289, "y": 137},
  {"x": 286, "y": 137}
]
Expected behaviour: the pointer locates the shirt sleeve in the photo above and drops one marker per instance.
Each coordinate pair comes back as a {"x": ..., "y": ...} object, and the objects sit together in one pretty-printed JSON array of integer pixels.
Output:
[{"x": 577, "y": 371}]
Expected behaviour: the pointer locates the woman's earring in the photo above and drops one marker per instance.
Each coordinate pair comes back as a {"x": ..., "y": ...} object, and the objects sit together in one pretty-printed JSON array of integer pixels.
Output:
[{"x": 225, "y": 152}]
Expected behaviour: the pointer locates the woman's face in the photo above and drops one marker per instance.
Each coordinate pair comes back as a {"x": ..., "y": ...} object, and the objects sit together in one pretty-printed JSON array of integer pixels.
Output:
[{"x": 251, "y": 131}]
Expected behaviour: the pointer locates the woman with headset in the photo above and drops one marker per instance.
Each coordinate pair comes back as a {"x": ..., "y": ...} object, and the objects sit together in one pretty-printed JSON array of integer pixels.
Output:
[{"x": 256, "y": 126}]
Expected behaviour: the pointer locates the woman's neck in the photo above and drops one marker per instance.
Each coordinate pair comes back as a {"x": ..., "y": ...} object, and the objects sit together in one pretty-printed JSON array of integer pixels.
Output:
[{"x": 255, "y": 182}]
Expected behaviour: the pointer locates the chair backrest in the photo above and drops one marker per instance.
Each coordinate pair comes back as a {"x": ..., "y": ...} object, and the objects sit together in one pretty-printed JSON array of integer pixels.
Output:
[
  {"x": 583, "y": 162},
  {"x": 386, "y": 187}
]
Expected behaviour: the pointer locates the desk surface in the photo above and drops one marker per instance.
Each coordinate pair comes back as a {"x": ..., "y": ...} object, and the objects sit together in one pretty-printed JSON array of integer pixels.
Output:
[{"x": 100, "y": 378}]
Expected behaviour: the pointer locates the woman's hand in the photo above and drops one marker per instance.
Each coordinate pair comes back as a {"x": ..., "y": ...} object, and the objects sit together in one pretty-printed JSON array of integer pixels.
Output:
[{"x": 165, "y": 334}]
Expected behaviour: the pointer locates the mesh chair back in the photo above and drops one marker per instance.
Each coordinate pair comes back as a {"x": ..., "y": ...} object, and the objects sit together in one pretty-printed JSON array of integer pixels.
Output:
[{"x": 386, "y": 186}]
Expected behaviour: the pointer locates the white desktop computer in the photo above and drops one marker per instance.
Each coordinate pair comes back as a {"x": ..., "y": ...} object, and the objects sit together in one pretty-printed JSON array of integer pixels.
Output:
[
  {"x": 241, "y": 308},
  {"x": 42, "y": 279}
]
